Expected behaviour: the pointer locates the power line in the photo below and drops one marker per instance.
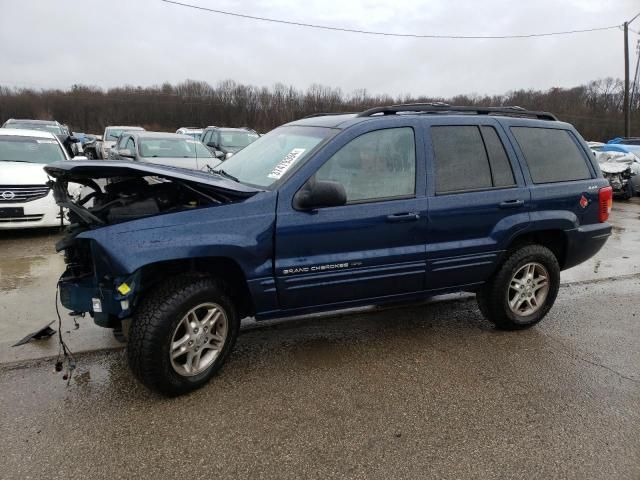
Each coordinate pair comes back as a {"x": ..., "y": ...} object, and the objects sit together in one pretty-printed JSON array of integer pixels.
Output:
[{"x": 387, "y": 34}]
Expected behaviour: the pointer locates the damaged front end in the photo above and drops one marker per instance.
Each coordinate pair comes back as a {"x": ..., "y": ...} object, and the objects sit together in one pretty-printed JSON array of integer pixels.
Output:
[
  {"x": 115, "y": 192},
  {"x": 619, "y": 169}
]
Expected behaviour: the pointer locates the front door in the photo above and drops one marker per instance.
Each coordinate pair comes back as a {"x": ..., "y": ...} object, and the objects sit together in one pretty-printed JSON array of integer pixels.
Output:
[{"x": 372, "y": 247}]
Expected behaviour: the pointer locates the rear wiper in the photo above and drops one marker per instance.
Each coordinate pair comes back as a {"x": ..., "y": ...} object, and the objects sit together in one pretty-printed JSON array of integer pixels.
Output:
[{"x": 222, "y": 173}]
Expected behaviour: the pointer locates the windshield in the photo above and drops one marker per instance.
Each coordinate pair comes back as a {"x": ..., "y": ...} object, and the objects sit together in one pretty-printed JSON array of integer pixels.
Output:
[
  {"x": 112, "y": 134},
  {"x": 268, "y": 159},
  {"x": 237, "y": 139},
  {"x": 195, "y": 135},
  {"x": 30, "y": 149},
  {"x": 42, "y": 127},
  {"x": 172, "y": 148}
]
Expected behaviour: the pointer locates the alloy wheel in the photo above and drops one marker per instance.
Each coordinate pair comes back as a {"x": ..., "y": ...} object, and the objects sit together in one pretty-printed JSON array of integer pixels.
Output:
[
  {"x": 528, "y": 289},
  {"x": 198, "y": 339}
]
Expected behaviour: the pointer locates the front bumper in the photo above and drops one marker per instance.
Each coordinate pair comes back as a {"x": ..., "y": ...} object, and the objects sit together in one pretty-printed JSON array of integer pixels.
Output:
[
  {"x": 42, "y": 212},
  {"x": 102, "y": 301}
]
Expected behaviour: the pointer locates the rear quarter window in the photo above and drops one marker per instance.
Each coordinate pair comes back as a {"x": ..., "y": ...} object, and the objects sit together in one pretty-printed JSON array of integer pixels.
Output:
[{"x": 551, "y": 155}]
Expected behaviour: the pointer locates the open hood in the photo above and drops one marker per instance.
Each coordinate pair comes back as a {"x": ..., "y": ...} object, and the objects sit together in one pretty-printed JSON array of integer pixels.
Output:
[{"x": 82, "y": 170}]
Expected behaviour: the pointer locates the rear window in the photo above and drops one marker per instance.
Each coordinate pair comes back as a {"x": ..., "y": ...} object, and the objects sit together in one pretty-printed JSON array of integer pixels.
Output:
[
  {"x": 469, "y": 158},
  {"x": 551, "y": 155}
]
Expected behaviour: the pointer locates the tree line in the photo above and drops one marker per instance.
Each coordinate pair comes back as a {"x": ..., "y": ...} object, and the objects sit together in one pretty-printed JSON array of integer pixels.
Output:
[{"x": 595, "y": 108}]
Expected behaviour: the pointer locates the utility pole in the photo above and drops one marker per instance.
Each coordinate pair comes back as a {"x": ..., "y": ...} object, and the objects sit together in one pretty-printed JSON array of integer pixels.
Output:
[
  {"x": 627, "y": 114},
  {"x": 626, "y": 107}
]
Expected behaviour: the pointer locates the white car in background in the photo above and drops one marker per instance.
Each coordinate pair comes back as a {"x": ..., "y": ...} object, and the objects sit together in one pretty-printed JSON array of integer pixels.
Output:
[
  {"x": 26, "y": 201},
  {"x": 111, "y": 136},
  {"x": 193, "y": 132}
]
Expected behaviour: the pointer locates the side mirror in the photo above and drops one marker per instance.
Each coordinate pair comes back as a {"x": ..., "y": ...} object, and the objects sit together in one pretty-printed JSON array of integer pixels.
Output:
[
  {"x": 319, "y": 193},
  {"x": 125, "y": 152},
  {"x": 219, "y": 154}
]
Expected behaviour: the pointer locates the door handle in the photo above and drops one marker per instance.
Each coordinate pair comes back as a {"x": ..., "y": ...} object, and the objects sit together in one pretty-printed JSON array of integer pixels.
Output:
[
  {"x": 512, "y": 204},
  {"x": 403, "y": 217}
]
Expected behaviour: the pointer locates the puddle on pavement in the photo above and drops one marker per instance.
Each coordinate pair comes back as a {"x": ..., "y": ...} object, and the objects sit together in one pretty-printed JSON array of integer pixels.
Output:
[
  {"x": 616, "y": 231},
  {"x": 19, "y": 272}
]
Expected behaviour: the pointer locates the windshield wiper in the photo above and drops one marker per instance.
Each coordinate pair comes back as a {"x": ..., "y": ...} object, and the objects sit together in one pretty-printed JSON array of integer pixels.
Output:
[
  {"x": 222, "y": 173},
  {"x": 21, "y": 161}
]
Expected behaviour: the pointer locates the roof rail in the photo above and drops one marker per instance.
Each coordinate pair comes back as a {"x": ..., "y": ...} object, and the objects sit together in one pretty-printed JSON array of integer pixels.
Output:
[
  {"x": 328, "y": 114},
  {"x": 439, "y": 107}
]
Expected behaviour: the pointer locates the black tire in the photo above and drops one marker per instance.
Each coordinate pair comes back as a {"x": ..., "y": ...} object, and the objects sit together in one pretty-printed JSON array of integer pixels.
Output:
[
  {"x": 493, "y": 296},
  {"x": 90, "y": 154},
  {"x": 155, "y": 322},
  {"x": 119, "y": 335},
  {"x": 629, "y": 191}
]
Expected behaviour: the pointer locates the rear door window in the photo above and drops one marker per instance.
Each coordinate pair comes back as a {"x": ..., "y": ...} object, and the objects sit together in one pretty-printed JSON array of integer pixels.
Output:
[
  {"x": 461, "y": 162},
  {"x": 468, "y": 158},
  {"x": 498, "y": 159},
  {"x": 552, "y": 155}
]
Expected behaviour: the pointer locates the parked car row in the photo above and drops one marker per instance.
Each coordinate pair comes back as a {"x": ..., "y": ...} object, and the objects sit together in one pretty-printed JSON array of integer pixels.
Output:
[
  {"x": 223, "y": 142},
  {"x": 619, "y": 161},
  {"x": 26, "y": 146},
  {"x": 169, "y": 149}
]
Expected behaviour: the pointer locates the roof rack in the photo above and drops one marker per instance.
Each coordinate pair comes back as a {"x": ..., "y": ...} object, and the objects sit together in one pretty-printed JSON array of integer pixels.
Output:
[
  {"x": 439, "y": 107},
  {"x": 328, "y": 114}
]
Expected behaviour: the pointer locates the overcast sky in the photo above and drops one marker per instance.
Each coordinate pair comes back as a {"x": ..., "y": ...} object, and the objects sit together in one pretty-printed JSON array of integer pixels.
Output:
[{"x": 49, "y": 43}]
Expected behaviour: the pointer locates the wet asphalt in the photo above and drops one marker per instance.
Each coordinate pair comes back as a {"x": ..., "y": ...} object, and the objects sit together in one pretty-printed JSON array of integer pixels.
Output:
[
  {"x": 429, "y": 391},
  {"x": 424, "y": 391}
]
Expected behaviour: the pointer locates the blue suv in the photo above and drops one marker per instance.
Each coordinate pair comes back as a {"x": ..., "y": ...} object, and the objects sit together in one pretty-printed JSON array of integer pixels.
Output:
[{"x": 393, "y": 204}]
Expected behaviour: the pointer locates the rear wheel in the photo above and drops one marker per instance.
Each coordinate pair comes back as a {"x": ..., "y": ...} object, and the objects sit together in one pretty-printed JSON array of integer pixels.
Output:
[
  {"x": 523, "y": 290},
  {"x": 90, "y": 154},
  {"x": 181, "y": 335}
]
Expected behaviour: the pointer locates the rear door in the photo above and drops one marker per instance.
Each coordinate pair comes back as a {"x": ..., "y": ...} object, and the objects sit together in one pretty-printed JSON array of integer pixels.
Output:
[
  {"x": 478, "y": 200},
  {"x": 371, "y": 247}
]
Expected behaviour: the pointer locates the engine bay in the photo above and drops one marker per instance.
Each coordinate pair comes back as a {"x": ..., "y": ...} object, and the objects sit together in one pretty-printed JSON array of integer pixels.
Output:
[{"x": 124, "y": 199}]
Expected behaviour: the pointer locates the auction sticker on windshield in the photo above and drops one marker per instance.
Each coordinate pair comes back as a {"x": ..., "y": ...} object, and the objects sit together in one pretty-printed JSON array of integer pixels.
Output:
[{"x": 286, "y": 163}]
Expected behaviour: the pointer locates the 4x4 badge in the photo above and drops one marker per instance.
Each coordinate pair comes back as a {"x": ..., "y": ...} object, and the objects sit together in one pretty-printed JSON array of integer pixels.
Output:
[{"x": 583, "y": 201}]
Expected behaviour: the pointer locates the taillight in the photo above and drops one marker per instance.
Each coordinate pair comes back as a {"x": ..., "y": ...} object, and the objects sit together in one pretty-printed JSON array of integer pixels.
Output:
[{"x": 605, "y": 198}]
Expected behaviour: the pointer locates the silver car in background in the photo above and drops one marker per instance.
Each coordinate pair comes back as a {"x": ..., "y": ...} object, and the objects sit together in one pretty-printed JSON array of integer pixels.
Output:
[
  {"x": 194, "y": 132},
  {"x": 165, "y": 149}
]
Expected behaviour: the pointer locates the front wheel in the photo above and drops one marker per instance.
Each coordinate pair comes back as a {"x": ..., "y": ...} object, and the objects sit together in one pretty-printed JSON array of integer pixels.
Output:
[
  {"x": 181, "y": 335},
  {"x": 523, "y": 289},
  {"x": 90, "y": 154}
]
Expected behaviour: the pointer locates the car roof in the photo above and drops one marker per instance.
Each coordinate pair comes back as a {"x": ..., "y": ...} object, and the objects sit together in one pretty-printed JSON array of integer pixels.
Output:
[
  {"x": 22, "y": 132},
  {"x": 623, "y": 147},
  {"x": 28, "y": 120},
  {"x": 160, "y": 135},
  {"x": 342, "y": 121},
  {"x": 229, "y": 129},
  {"x": 233, "y": 129},
  {"x": 126, "y": 127},
  {"x": 428, "y": 111}
]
